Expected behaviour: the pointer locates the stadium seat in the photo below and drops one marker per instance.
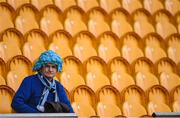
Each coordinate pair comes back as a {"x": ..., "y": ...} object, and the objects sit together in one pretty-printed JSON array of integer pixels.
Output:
[
  {"x": 17, "y": 3},
  {"x": 175, "y": 100},
  {"x": 177, "y": 18},
  {"x": 84, "y": 45},
  {"x": 109, "y": 5},
  {"x": 172, "y": 6},
  {"x": 39, "y": 4},
  {"x": 120, "y": 73},
  {"x": 131, "y": 5},
  {"x": 72, "y": 75},
  {"x": 108, "y": 46},
  {"x": 61, "y": 42},
  {"x": 51, "y": 19},
  {"x": 153, "y": 5},
  {"x": 87, "y": 4},
  {"x": 120, "y": 22},
  {"x": 64, "y": 4}
]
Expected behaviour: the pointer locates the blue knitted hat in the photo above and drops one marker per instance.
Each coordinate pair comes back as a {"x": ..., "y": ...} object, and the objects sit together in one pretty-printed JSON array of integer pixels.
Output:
[{"x": 48, "y": 57}]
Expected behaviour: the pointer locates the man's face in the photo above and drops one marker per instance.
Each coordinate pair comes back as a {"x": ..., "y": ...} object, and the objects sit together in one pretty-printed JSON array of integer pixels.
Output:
[{"x": 49, "y": 70}]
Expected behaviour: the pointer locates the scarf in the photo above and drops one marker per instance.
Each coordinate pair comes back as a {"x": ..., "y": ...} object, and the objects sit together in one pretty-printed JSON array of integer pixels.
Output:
[{"x": 49, "y": 87}]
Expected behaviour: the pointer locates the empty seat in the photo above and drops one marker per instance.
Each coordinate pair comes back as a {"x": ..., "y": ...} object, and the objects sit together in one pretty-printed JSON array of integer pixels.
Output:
[
  {"x": 154, "y": 47},
  {"x": 177, "y": 18},
  {"x": 109, "y": 5},
  {"x": 142, "y": 23},
  {"x": 11, "y": 45},
  {"x": 164, "y": 23},
  {"x": 97, "y": 21},
  {"x": 36, "y": 43},
  {"x": 64, "y": 4},
  {"x": 51, "y": 19},
  {"x": 26, "y": 18},
  {"x": 17, "y": 3},
  {"x": 72, "y": 74},
  {"x": 61, "y": 42},
  {"x": 87, "y": 4},
  {"x": 133, "y": 101},
  {"x": 18, "y": 68},
  {"x": 108, "y": 46},
  {"x": 96, "y": 73},
  {"x": 131, "y": 46},
  {"x": 120, "y": 73},
  {"x": 131, "y": 5},
  {"x": 3, "y": 72},
  {"x": 6, "y": 16},
  {"x": 6, "y": 96},
  {"x": 84, "y": 45},
  {"x": 121, "y": 22},
  {"x": 74, "y": 20},
  {"x": 173, "y": 47},
  {"x": 174, "y": 94},
  {"x": 158, "y": 100},
  {"x": 172, "y": 6},
  {"x": 39, "y": 4},
  {"x": 153, "y": 5},
  {"x": 167, "y": 72}
]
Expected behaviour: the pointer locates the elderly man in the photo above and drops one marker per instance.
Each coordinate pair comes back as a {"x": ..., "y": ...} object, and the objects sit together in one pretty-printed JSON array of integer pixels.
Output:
[{"x": 36, "y": 90}]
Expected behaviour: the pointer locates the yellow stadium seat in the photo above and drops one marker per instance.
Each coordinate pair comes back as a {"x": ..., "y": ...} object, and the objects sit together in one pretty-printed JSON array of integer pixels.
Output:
[
  {"x": 11, "y": 45},
  {"x": 17, "y": 3},
  {"x": 87, "y": 4},
  {"x": 64, "y": 4},
  {"x": 108, "y": 46},
  {"x": 71, "y": 76},
  {"x": 36, "y": 43},
  {"x": 167, "y": 71},
  {"x": 164, "y": 23},
  {"x": 177, "y": 18},
  {"x": 155, "y": 47},
  {"x": 6, "y": 16},
  {"x": 3, "y": 72},
  {"x": 61, "y": 42},
  {"x": 39, "y": 4},
  {"x": 153, "y": 5},
  {"x": 131, "y": 5},
  {"x": 172, "y": 6},
  {"x": 18, "y": 68},
  {"x": 97, "y": 21},
  {"x": 175, "y": 100},
  {"x": 158, "y": 100},
  {"x": 26, "y": 18},
  {"x": 144, "y": 73},
  {"x": 173, "y": 47},
  {"x": 120, "y": 73},
  {"x": 109, "y": 5},
  {"x": 51, "y": 19},
  {"x": 6, "y": 95},
  {"x": 84, "y": 45},
  {"x": 131, "y": 47},
  {"x": 121, "y": 22},
  {"x": 142, "y": 22},
  {"x": 96, "y": 73},
  {"x": 74, "y": 20}
]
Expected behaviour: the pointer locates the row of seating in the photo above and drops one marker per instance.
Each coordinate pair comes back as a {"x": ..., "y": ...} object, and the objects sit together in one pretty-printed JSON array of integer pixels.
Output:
[
  {"x": 108, "y": 5},
  {"x": 96, "y": 73},
  {"x": 96, "y": 20},
  {"x": 107, "y": 101}
]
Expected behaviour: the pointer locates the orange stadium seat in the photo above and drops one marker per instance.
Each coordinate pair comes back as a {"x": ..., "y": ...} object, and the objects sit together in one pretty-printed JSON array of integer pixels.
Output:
[
  {"x": 109, "y": 5},
  {"x": 97, "y": 21},
  {"x": 96, "y": 73},
  {"x": 74, "y": 20},
  {"x": 121, "y": 22},
  {"x": 39, "y": 4},
  {"x": 3, "y": 72},
  {"x": 172, "y": 6},
  {"x": 6, "y": 95},
  {"x": 6, "y": 16},
  {"x": 158, "y": 100},
  {"x": 87, "y": 4},
  {"x": 131, "y": 5},
  {"x": 72, "y": 74},
  {"x": 120, "y": 73},
  {"x": 177, "y": 18},
  {"x": 36, "y": 43},
  {"x": 61, "y": 42},
  {"x": 18, "y": 68},
  {"x": 64, "y": 4},
  {"x": 11, "y": 45},
  {"x": 17, "y": 3},
  {"x": 26, "y": 18},
  {"x": 84, "y": 45},
  {"x": 51, "y": 19},
  {"x": 108, "y": 46},
  {"x": 175, "y": 100},
  {"x": 153, "y": 5},
  {"x": 144, "y": 73}
]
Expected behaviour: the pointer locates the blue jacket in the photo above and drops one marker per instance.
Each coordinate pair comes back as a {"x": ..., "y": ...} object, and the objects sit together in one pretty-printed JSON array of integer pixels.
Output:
[{"x": 29, "y": 93}]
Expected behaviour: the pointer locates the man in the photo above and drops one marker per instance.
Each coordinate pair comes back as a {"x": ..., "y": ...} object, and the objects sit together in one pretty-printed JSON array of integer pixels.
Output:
[{"x": 36, "y": 90}]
